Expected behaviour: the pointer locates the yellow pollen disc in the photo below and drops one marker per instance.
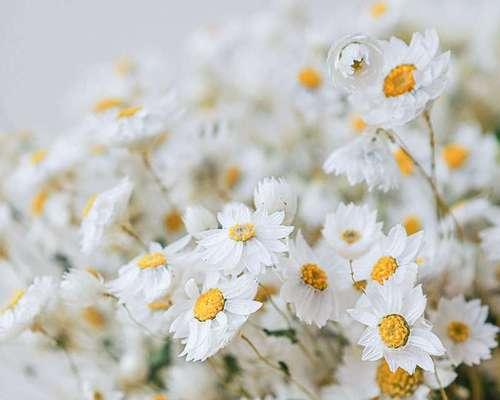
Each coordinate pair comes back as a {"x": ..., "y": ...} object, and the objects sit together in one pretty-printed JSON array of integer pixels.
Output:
[
  {"x": 458, "y": 331},
  {"x": 420, "y": 261},
  {"x": 455, "y": 155},
  {"x": 358, "y": 65},
  {"x": 97, "y": 150},
  {"x": 358, "y": 124},
  {"x": 399, "y": 384},
  {"x": 93, "y": 317},
  {"x": 208, "y": 305},
  {"x": 412, "y": 224},
  {"x": 378, "y": 9},
  {"x": 124, "y": 66},
  {"x": 96, "y": 395},
  {"x": 264, "y": 292},
  {"x": 129, "y": 112},
  {"x": 14, "y": 300},
  {"x": 394, "y": 331},
  {"x": 152, "y": 260},
  {"x": 242, "y": 232},
  {"x": 399, "y": 81},
  {"x": 88, "y": 205},
  {"x": 161, "y": 304},
  {"x": 107, "y": 104},
  {"x": 38, "y": 202},
  {"x": 314, "y": 276},
  {"x": 384, "y": 268},
  {"x": 309, "y": 78},
  {"x": 173, "y": 221},
  {"x": 232, "y": 176},
  {"x": 360, "y": 286},
  {"x": 159, "y": 397},
  {"x": 38, "y": 156},
  {"x": 404, "y": 162},
  {"x": 350, "y": 236}
]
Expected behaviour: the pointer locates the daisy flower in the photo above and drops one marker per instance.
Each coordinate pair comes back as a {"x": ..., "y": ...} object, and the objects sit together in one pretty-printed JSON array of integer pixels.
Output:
[
  {"x": 102, "y": 212},
  {"x": 396, "y": 329},
  {"x": 82, "y": 287},
  {"x": 412, "y": 76},
  {"x": 208, "y": 319},
  {"x": 149, "y": 275},
  {"x": 309, "y": 283},
  {"x": 367, "y": 159},
  {"x": 26, "y": 305},
  {"x": 392, "y": 257},
  {"x": 273, "y": 195},
  {"x": 462, "y": 327},
  {"x": 247, "y": 240},
  {"x": 351, "y": 230}
]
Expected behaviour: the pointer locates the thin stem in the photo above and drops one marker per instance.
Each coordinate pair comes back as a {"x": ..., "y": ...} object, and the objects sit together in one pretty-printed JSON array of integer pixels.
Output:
[
  {"x": 355, "y": 284},
  {"x": 146, "y": 159},
  {"x": 143, "y": 327},
  {"x": 127, "y": 228},
  {"x": 278, "y": 369},
  {"x": 441, "y": 388},
  {"x": 432, "y": 144}
]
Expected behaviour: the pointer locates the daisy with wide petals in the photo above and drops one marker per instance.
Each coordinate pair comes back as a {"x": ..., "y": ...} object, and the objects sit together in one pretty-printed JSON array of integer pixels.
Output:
[
  {"x": 207, "y": 320},
  {"x": 413, "y": 75},
  {"x": 462, "y": 327},
  {"x": 149, "y": 275},
  {"x": 351, "y": 230},
  {"x": 248, "y": 240},
  {"x": 395, "y": 327},
  {"x": 309, "y": 283},
  {"x": 392, "y": 257}
]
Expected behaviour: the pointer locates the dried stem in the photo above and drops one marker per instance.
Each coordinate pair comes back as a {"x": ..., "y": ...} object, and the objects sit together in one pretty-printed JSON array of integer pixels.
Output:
[
  {"x": 127, "y": 228},
  {"x": 146, "y": 159}
]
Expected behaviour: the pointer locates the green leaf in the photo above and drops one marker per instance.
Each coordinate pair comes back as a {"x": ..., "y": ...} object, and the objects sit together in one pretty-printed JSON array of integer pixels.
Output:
[
  {"x": 231, "y": 367},
  {"x": 290, "y": 334},
  {"x": 284, "y": 368},
  {"x": 157, "y": 361}
]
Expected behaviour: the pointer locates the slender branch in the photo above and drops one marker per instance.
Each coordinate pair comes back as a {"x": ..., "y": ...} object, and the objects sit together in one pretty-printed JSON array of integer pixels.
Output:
[
  {"x": 355, "y": 284},
  {"x": 432, "y": 144},
  {"x": 133, "y": 234},
  {"x": 146, "y": 159},
  {"x": 444, "y": 396}
]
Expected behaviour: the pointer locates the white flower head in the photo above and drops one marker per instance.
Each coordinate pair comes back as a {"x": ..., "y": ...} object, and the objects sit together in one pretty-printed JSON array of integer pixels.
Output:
[
  {"x": 248, "y": 240},
  {"x": 273, "y": 195},
  {"x": 395, "y": 327},
  {"x": 412, "y": 76},
  {"x": 208, "y": 319},
  {"x": 351, "y": 230},
  {"x": 462, "y": 327},
  {"x": 82, "y": 287},
  {"x": 310, "y": 284},
  {"x": 198, "y": 219},
  {"x": 102, "y": 213}
]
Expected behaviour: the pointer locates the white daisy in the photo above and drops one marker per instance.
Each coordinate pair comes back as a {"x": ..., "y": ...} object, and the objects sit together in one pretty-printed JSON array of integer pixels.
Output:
[
  {"x": 247, "y": 240},
  {"x": 207, "y": 320},
  {"x": 351, "y": 230},
  {"x": 462, "y": 327},
  {"x": 309, "y": 283},
  {"x": 26, "y": 305},
  {"x": 149, "y": 275},
  {"x": 413, "y": 75},
  {"x": 82, "y": 287},
  {"x": 273, "y": 195},
  {"x": 102, "y": 212},
  {"x": 392, "y": 257},
  {"x": 368, "y": 159},
  {"x": 396, "y": 329}
]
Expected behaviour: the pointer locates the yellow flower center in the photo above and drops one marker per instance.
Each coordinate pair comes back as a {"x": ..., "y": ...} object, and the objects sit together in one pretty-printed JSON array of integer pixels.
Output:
[
  {"x": 350, "y": 236},
  {"x": 93, "y": 317},
  {"x": 242, "y": 232},
  {"x": 398, "y": 384},
  {"x": 384, "y": 268},
  {"x": 358, "y": 124},
  {"x": 159, "y": 397},
  {"x": 314, "y": 276},
  {"x": 129, "y": 112},
  {"x": 455, "y": 155},
  {"x": 209, "y": 304},
  {"x": 14, "y": 300},
  {"x": 161, "y": 304},
  {"x": 124, "y": 66},
  {"x": 96, "y": 395},
  {"x": 458, "y": 331},
  {"x": 232, "y": 176},
  {"x": 173, "y": 221},
  {"x": 264, "y": 292},
  {"x": 88, "y": 205},
  {"x": 360, "y": 286},
  {"x": 394, "y": 331},
  {"x": 399, "y": 81},
  {"x": 358, "y": 65},
  {"x": 38, "y": 156},
  {"x": 107, "y": 104},
  {"x": 38, "y": 202},
  {"x": 404, "y": 162},
  {"x": 152, "y": 260},
  {"x": 378, "y": 9},
  {"x": 412, "y": 224},
  {"x": 309, "y": 78}
]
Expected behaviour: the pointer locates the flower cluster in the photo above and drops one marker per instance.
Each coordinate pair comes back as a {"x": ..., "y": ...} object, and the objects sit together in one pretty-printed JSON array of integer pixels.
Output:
[{"x": 299, "y": 214}]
